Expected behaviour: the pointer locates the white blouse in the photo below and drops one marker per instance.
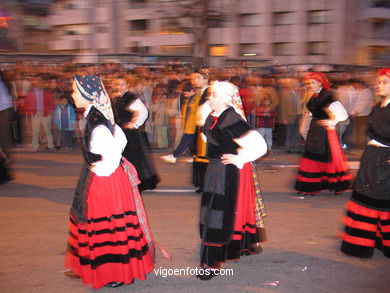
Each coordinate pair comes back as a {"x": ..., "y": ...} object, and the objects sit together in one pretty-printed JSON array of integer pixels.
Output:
[
  {"x": 252, "y": 146},
  {"x": 339, "y": 113},
  {"x": 109, "y": 146},
  {"x": 141, "y": 112}
]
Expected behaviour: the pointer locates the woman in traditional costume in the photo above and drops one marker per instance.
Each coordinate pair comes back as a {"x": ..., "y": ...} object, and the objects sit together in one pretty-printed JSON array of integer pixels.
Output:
[
  {"x": 323, "y": 164},
  {"x": 367, "y": 223},
  {"x": 130, "y": 114},
  {"x": 230, "y": 220},
  {"x": 109, "y": 242}
]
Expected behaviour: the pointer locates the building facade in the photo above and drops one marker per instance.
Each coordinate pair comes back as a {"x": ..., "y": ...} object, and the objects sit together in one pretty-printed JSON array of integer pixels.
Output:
[{"x": 284, "y": 31}]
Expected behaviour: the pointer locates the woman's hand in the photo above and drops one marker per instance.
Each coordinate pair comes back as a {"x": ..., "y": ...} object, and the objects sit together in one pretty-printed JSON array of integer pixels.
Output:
[
  {"x": 92, "y": 167},
  {"x": 129, "y": 125},
  {"x": 326, "y": 123},
  {"x": 229, "y": 159}
]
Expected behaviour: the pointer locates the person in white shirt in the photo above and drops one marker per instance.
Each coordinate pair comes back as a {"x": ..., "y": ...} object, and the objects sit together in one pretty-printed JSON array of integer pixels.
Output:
[
  {"x": 130, "y": 114},
  {"x": 109, "y": 242},
  {"x": 362, "y": 108}
]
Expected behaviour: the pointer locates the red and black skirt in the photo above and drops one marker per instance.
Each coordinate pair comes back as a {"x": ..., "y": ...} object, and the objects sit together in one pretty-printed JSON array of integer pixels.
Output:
[
  {"x": 110, "y": 246},
  {"x": 367, "y": 222},
  {"x": 323, "y": 164},
  {"x": 222, "y": 239}
]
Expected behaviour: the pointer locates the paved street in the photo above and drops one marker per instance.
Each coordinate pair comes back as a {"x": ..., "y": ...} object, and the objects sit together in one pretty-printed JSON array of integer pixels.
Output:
[{"x": 301, "y": 254}]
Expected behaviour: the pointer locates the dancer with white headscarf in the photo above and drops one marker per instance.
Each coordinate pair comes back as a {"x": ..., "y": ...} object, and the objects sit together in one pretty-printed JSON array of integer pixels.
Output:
[
  {"x": 109, "y": 242},
  {"x": 228, "y": 221}
]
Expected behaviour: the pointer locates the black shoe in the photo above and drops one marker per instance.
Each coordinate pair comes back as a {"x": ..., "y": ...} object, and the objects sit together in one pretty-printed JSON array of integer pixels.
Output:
[
  {"x": 207, "y": 274},
  {"x": 114, "y": 284},
  {"x": 71, "y": 275}
]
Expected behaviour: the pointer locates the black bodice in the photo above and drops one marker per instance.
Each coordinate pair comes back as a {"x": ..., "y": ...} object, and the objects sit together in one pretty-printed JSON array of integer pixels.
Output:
[
  {"x": 120, "y": 107},
  {"x": 379, "y": 124},
  {"x": 220, "y": 139},
  {"x": 93, "y": 119},
  {"x": 317, "y": 105}
]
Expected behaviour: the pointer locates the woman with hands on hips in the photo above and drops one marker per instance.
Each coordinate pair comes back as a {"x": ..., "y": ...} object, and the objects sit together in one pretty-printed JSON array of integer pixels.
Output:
[
  {"x": 323, "y": 164},
  {"x": 228, "y": 222}
]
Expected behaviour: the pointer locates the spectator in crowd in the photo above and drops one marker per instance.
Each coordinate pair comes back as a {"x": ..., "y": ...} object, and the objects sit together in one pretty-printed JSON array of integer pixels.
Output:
[
  {"x": 189, "y": 110},
  {"x": 265, "y": 119},
  {"x": 6, "y": 114},
  {"x": 361, "y": 110},
  {"x": 159, "y": 121},
  {"x": 65, "y": 121},
  {"x": 290, "y": 111},
  {"x": 40, "y": 105}
]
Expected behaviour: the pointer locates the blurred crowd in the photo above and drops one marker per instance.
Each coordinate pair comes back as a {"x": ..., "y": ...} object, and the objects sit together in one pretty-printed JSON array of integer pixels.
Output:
[{"x": 44, "y": 116}]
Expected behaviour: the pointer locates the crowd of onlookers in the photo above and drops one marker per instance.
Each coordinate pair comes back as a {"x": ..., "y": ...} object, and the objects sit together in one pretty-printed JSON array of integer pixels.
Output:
[{"x": 274, "y": 102}]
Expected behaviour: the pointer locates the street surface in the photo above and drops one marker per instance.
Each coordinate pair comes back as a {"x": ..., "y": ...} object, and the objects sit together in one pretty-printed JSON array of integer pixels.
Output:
[{"x": 301, "y": 254}]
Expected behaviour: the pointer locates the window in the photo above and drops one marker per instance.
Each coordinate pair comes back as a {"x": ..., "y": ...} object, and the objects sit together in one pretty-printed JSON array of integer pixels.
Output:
[
  {"x": 75, "y": 29},
  {"x": 318, "y": 48},
  {"x": 102, "y": 29},
  {"x": 283, "y": 18},
  {"x": 318, "y": 16},
  {"x": 218, "y": 50},
  {"x": 138, "y": 3},
  {"x": 173, "y": 25},
  {"x": 381, "y": 3},
  {"x": 217, "y": 21},
  {"x": 249, "y": 19},
  {"x": 178, "y": 50},
  {"x": 139, "y": 26},
  {"x": 137, "y": 49},
  {"x": 249, "y": 49},
  {"x": 381, "y": 29},
  {"x": 78, "y": 4},
  {"x": 281, "y": 49}
]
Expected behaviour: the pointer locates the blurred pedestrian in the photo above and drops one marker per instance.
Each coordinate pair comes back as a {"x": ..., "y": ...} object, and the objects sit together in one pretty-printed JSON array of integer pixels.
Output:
[
  {"x": 367, "y": 223},
  {"x": 40, "y": 105},
  {"x": 200, "y": 80},
  {"x": 65, "y": 121},
  {"x": 109, "y": 242},
  {"x": 189, "y": 110},
  {"x": 229, "y": 226},
  {"x": 6, "y": 116},
  {"x": 290, "y": 112},
  {"x": 159, "y": 121},
  {"x": 265, "y": 119},
  {"x": 323, "y": 164},
  {"x": 361, "y": 110}
]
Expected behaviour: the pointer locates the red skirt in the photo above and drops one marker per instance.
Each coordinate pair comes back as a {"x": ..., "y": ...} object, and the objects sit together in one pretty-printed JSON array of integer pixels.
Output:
[
  {"x": 314, "y": 175},
  {"x": 110, "y": 246},
  {"x": 365, "y": 229},
  {"x": 245, "y": 235}
]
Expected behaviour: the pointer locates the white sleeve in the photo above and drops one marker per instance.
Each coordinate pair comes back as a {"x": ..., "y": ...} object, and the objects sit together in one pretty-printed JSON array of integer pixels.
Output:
[
  {"x": 141, "y": 112},
  {"x": 252, "y": 147},
  {"x": 109, "y": 147},
  {"x": 338, "y": 111}
]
